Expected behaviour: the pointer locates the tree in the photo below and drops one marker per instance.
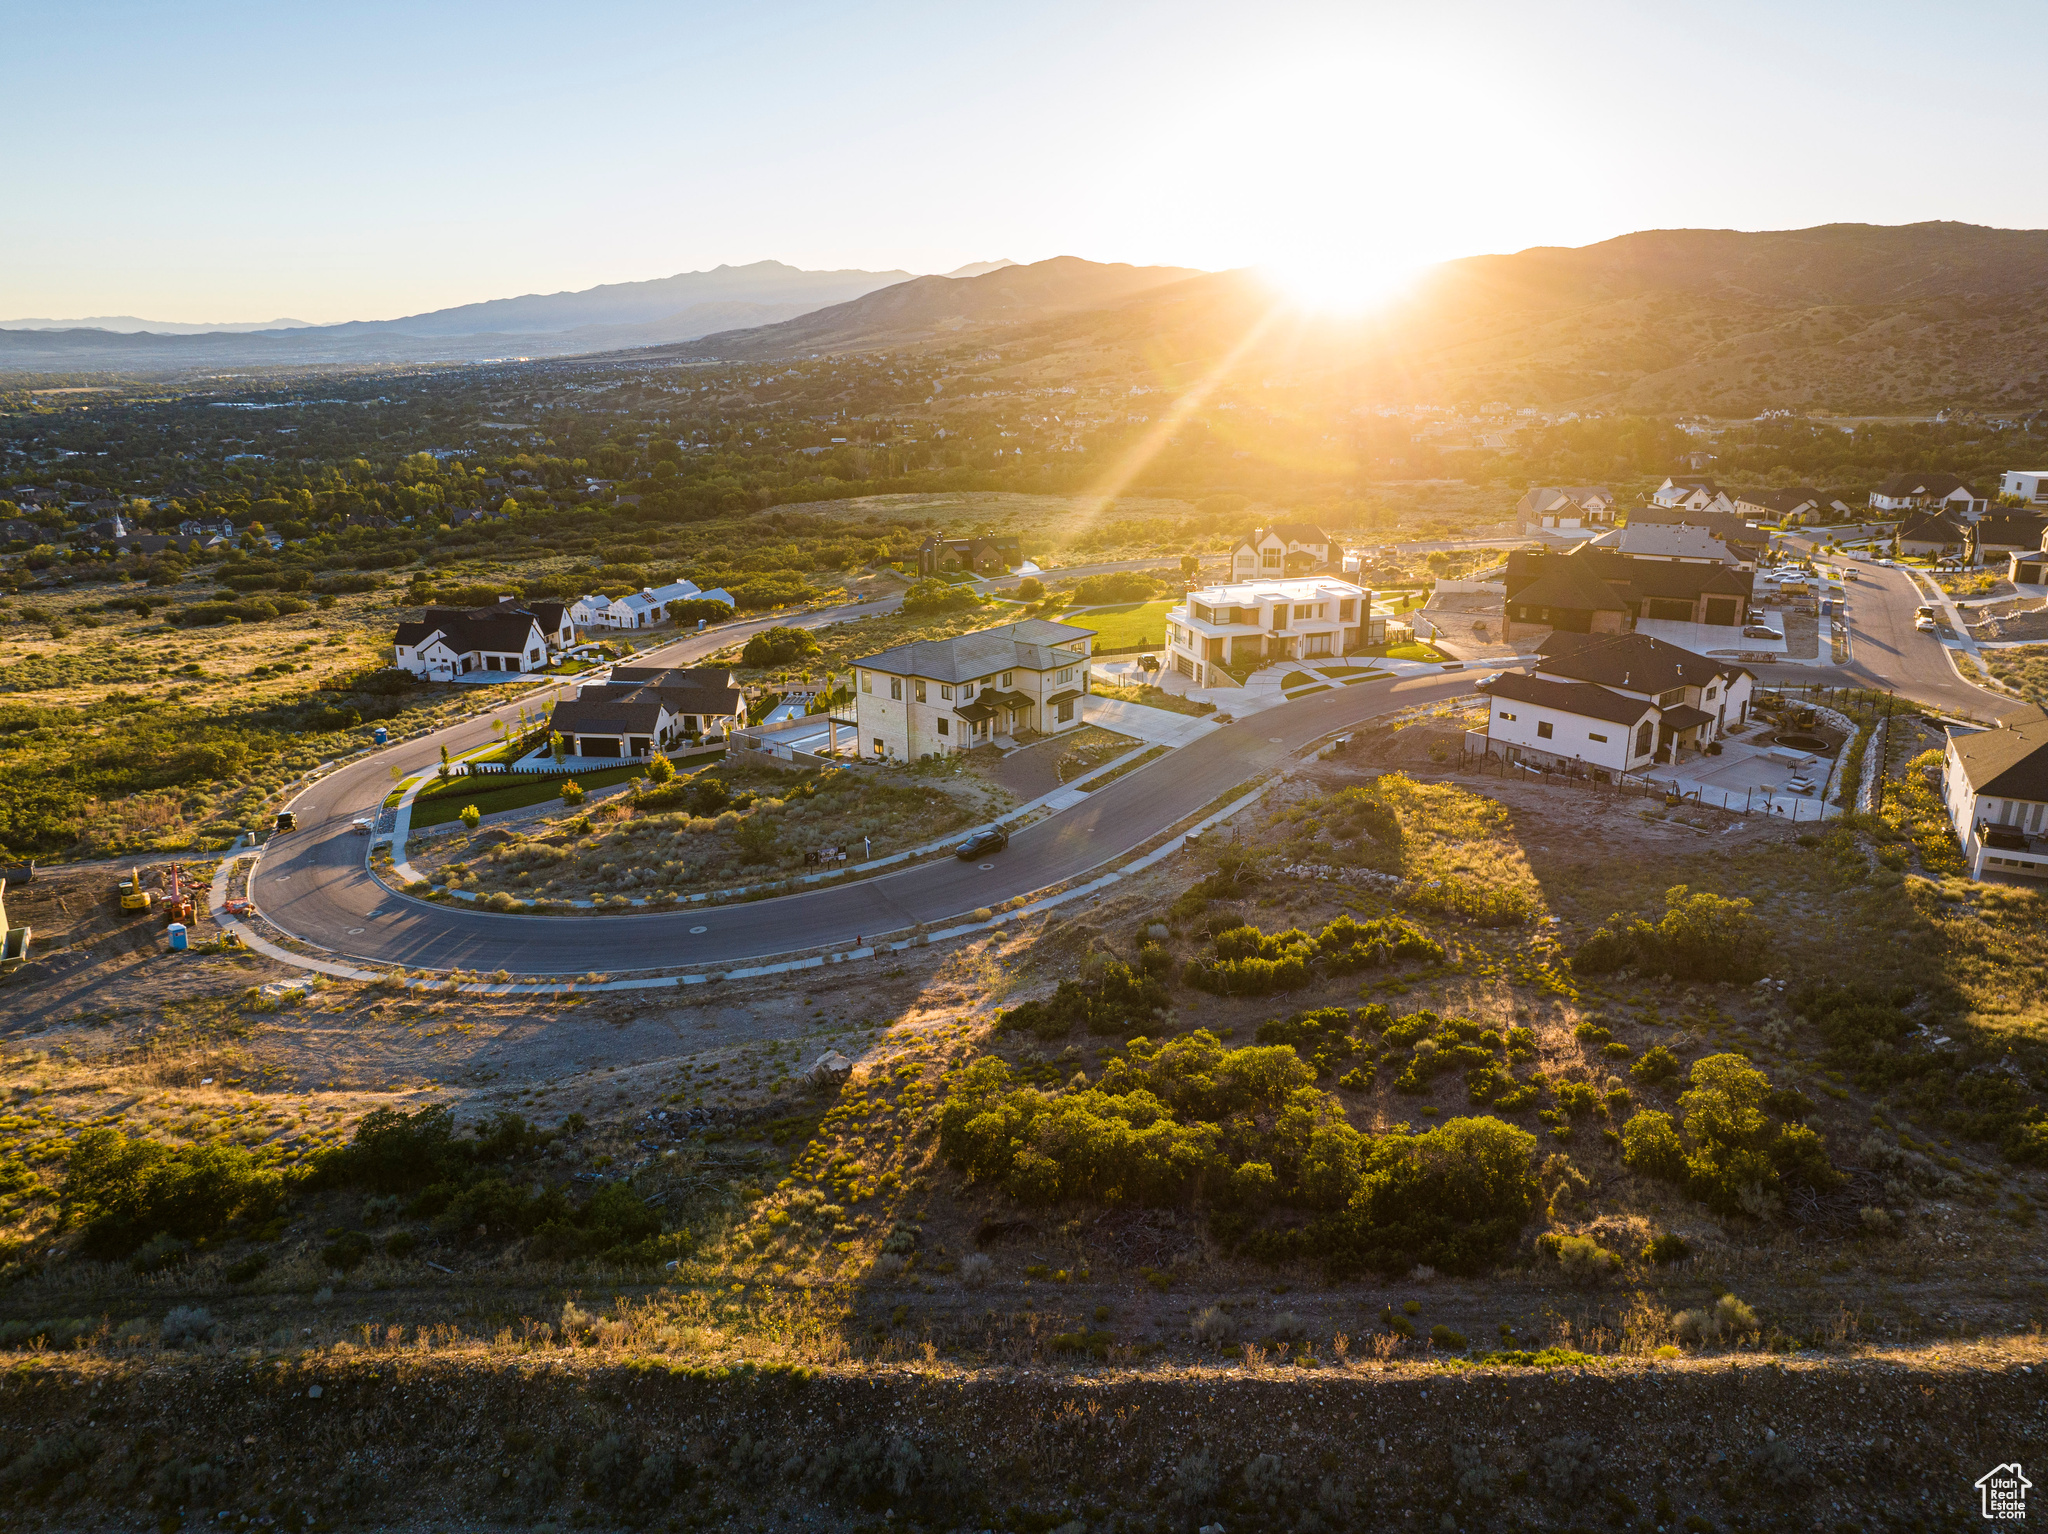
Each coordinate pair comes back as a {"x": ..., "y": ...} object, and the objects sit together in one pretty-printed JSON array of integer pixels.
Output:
[
  {"x": 778, "y": 646},
  {"x": 660, "y": 769},
  {"x": 558, "y": 748},
  {"x": 444, "y": 764},
  {"x": 471, "y": 816},
  {"x": 1030, "y": 589},
  {"x": 1190, "y": 566}
]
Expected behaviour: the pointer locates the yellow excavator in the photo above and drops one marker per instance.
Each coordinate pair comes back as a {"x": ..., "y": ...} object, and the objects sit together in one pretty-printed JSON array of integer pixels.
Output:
[{"x": 133, "y": 896}]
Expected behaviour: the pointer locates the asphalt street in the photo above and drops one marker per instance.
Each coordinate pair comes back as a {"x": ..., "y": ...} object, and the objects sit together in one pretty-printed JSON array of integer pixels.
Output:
[
  {"x": 313, "y": 883},
  {"x": 1886, "y": 652}
]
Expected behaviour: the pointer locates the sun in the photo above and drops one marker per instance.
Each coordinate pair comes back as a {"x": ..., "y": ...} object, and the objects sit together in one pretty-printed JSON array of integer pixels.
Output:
[{"x": 1342, "y": 282}]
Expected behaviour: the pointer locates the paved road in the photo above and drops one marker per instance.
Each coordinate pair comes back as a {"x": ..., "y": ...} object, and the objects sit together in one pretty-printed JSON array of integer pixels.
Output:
[
  {"x": 1887, "y": 652},
  {"x": 313, "y": 883}
]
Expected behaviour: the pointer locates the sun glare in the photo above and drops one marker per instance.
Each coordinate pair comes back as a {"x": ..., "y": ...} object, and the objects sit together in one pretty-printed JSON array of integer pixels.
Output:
[{"x": 1344, "y": 283}]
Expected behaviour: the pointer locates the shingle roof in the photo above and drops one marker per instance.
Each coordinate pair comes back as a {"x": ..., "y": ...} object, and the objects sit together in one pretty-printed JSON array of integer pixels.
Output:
[
  {"x": 1932, "y": 529},
  {"x": 1938, "y": 485},
  {"x": 2012, "y": 530},
  {"x": 1727, "y": 526},
  {"x": 1570, "y": 583},
  {"x": 2009, "y": 762},
  {"x": 709, "y": 690},
  {"x": 630, "y": 715},
  {"x": 1663, "y": 540},
  {"x": 1567, "y": 697},
  {"x": 1026, "y": 644},
  {"x": 1637, "y": 662},
  {"x": 506, "y": 631}
]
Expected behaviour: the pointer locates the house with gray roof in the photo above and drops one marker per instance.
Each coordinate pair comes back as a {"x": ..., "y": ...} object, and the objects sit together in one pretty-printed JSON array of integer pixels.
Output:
[
  {"x": 1995, "y": 784},
  {"x": 932, "y": 696},
  {"x": 1285, "y": 548},
  {"x": 454, "y": 641}
]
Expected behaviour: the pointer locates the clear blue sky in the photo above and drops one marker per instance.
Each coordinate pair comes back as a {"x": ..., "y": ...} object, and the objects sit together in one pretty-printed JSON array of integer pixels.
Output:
[{"x": 207, "y": 161}]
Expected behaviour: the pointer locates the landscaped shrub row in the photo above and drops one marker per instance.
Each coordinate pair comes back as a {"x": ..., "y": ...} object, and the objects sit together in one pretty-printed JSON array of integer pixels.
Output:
[
  {"x": 1241, "y": 1130},
  {"x": 1251, "y": 963}
]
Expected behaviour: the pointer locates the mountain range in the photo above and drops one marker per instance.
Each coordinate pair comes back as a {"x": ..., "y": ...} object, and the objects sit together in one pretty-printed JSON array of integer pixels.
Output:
[
  {"x": 605, "y": 318},
  {"x": 1853, "y": 318}
]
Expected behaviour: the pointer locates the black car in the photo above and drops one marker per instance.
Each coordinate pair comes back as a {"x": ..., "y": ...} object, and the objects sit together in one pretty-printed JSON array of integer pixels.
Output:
[
  {"x": 994, "y": 839},
  {"x": 287, "y": 821}
]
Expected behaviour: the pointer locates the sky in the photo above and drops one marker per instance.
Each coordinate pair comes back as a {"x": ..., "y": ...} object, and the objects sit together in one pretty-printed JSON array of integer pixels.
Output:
[{"x": 223, "y": 162}]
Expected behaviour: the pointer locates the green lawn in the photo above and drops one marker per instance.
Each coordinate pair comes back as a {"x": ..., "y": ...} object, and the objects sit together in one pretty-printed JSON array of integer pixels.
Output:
[
  {"x": 513, "y": 796},
  {"x": 1125, "y": 624}
]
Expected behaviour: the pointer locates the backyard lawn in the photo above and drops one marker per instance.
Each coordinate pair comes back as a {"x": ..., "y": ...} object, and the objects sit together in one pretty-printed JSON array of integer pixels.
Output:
[{"x": 1124, "y": 626}]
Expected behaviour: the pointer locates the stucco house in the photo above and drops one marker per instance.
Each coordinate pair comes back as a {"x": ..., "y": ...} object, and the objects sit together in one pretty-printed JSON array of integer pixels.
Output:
[
  {"x": 643, "y": 709},
  {"x": 1929, "y": 492},
  {"x": 1245, "y": 622},
  {"x": 1565, "y": 508},
  {"x": 932, "y": 696},
  {"x": 1694, "y": 494}
]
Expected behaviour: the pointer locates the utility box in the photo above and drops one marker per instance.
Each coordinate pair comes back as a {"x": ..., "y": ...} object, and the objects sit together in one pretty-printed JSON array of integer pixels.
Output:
[{"x": 177, "y": 932}]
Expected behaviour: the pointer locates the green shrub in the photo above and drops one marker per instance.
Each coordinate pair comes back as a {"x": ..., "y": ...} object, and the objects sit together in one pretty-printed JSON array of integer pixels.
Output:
[
  {"x": 1582, "y": 1259},
  {"x": 123, "y": 1191},
  {"x": 471, "y": 817},
  {"x": 1667, "y": 1248},
  {"x": 1658, "y": 1067},
  {"x": 1117, "y": 999},
  {"x": 1650, "y": 1145},
  {"x": 932, "y": 595},
  {"x": 779, "y": 646},
  {"x": 1701, "y": 936},
  {"x": 1446, "y": 1339}
]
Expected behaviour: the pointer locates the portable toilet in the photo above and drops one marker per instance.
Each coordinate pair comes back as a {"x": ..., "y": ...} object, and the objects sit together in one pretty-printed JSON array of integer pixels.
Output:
[
  {"x": 381, "y": 736},
  {"x": 177, "y": 931},
  {"x": 700, "y": 625}
]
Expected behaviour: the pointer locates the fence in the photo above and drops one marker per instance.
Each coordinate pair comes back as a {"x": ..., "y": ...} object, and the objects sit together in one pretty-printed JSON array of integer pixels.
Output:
[{"x": 1631, "y": 785}]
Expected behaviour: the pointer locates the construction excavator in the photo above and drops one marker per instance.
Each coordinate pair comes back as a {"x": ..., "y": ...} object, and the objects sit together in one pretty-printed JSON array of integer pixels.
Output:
[{"x": 133, "y": 896}]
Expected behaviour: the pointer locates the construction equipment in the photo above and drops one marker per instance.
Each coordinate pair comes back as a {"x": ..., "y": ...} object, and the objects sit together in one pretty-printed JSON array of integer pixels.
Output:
[
  {"x": 133, "y": 896},
  {"x": 179, "y": 906},
  {"x": 13, "y": 940}
]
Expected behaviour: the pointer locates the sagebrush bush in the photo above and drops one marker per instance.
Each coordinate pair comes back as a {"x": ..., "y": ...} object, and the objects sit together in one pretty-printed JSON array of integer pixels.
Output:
[{"x": 1701, "y": 936}]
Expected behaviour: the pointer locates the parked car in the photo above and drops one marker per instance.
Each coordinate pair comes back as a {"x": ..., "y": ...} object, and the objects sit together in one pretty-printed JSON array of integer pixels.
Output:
[
  {"x": 994, "y": 839},
  {"x": 287, "y": 821},
  {"x": 1924, "y": 624}
]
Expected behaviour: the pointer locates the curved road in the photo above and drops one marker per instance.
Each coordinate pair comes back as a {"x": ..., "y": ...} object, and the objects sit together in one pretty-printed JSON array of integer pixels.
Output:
[{"x": 313, "y": 883}]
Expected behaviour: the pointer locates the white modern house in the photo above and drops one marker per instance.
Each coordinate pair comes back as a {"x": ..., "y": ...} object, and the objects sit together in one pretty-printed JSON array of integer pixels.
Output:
[
  {"x": 452, "y": 641},
  {"x": 1611, "y": 703},
  {"x": 1245, "y": 622},
  {"x": 643, "y": 609},
  {"x": 929, "y": 697},
  {"x": 1995, "y": 784},
  {"x": 2030, "y": 485}
]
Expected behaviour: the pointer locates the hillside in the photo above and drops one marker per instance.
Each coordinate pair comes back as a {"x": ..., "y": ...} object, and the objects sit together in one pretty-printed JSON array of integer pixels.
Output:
[
  {"x": 1849, "y": 318},
  {"x": 927, "y": 309}
]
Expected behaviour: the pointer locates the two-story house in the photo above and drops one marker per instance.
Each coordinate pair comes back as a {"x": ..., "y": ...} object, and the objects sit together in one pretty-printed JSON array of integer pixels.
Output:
[
  {"x": 2028, "y": 485},
  {"x": 1612, "y": 702},
  {"x": 453, "y": 641},
  {"x": 1604, "y": 588},
  {"x": 1995, "y": 784},
  {"x": 1929, "y": 492},
  {"x": 1800, "y": 501},
  {"x": 932, "y": 696},
  {"x": 1285, "y": 548},
  {"x": 1245, "y": 622}
]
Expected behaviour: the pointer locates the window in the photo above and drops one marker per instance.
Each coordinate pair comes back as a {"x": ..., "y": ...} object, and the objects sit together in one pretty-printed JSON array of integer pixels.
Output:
[
  {"x": 1672, "y": 698},
  {"x": 967, "y": 692},
  {"x": 917, "y": 690},
  {"x": 867, "y": 681},
  {"x": 1347, "y": 610},
  {"x": 1066, "y": 675},
  {"x": 1305, "y": 610},
  {"x": 880, "y": 749},
  {"x": 896, "y": 688},
  {"x": 943, "y": 723},
  {"x": 1510, "y": 718},
  {"x": 1270, "y": 558},
  {"x": 1646, "y": 739},
  {"x": 1543, "y": 730},
  {"x": 1203, "y": 614},
  {"x": 1066, "y": 711},
  {"x": 1006, "y": 678},
  {"x": 946, "y": 693},
  {"x": 1601, "y": 738}
]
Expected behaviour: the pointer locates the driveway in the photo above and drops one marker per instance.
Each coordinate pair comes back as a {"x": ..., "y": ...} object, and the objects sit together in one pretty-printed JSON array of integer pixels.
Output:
[{"x": 1154, "y": 726}]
